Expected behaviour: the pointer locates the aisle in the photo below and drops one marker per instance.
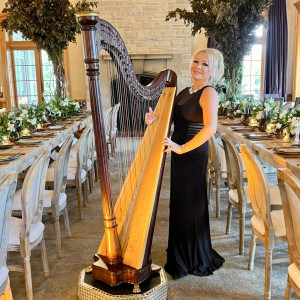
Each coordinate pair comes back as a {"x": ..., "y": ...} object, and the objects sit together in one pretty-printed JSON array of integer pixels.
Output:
[{"x": 233, "y": 281}]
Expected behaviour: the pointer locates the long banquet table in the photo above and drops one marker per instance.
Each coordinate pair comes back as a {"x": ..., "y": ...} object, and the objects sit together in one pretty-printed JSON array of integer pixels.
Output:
[
  {"x": 30, "y": 153},
  {"x": 263, "y": 148}
]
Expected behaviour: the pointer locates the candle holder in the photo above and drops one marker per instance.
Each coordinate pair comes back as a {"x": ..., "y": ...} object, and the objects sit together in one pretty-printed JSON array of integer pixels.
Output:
[
  {"x": 279, "y": 133},
  {"x": 245, "y": 120},
  {"x": 262, "y": 126}
]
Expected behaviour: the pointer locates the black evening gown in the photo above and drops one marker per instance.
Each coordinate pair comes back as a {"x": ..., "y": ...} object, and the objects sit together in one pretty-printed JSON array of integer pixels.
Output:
[{"x": 189, "y": 247}]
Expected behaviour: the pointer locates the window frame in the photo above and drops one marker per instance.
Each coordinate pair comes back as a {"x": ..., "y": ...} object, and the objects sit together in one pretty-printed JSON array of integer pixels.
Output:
[
  {"x": 7, "y": 47},
  {"x": 262, "y": 40}
]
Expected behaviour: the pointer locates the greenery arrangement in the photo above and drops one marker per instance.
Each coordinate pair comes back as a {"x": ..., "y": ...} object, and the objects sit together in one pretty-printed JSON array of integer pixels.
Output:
[
  {"x": 278, "y": 120},
  {"x": 231, "y": 23},
  {"x": 27, "y": 118},
  {"x": 50, "y": 24}
]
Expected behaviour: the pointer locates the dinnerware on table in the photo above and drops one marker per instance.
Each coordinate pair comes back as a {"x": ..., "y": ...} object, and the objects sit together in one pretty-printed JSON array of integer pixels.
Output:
[
  {"x": 9, "y": 157},
  {"x": 231, "y": 122},
  {"x": 29, "y": 142}
]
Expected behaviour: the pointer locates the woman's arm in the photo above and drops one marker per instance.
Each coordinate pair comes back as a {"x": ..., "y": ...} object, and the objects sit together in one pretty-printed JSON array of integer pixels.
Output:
[{"x": 209, "y": 103}]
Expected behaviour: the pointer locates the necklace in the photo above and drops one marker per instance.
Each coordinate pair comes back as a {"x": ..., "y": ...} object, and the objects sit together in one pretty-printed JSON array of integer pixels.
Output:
[{"x": 192, "y": 90}]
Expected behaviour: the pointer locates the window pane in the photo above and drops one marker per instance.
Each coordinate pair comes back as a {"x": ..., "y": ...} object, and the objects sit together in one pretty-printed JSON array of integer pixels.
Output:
[
  {"x": 17, "y": 37},
  {"x": 256, "y": 52},
  {"x": 48, "y": 76},
  {"x": 259, "y": 31},
  {"x": 25, "y": 71},
  {"x": 251, "y": 79}
]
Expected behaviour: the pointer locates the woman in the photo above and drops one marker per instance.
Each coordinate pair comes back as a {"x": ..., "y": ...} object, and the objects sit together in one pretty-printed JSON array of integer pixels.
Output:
[{"x": 195, "y": 121}]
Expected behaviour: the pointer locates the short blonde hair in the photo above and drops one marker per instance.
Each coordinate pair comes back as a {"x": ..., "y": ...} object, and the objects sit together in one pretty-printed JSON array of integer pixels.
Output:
[{"x": 215, "y": 62}]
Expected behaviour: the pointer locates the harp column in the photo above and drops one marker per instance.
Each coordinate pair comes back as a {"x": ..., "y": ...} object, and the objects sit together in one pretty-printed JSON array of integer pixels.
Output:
[{"x": 88, "y": 28}]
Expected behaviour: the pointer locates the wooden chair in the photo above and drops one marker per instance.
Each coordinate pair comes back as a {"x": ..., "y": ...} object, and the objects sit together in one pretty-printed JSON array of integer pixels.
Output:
[
  {"x": 289, "y": 186},
  {"x": 7, "y": 189},
  {"x": 297, "y": 101},
  {"x": 77, "y": 174},
  {"x": 268, "y": 226},
  {"x": 55, "y": 201},
  {"x": 215, "y": 175},
  {"x": 265, "y": 96},
  {"x": 28, "y": 232},
  {"x": 89, "y": 167},
  {"x": 238, "y": 194}
]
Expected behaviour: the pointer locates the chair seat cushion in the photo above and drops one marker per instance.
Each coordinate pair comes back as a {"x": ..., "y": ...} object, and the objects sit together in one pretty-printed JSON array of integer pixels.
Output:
[
  {"x": 294, "y": 274},
  {"x": 72, "y": 173},
  {"x": 277, "y": 220},
  {"x": 17, "y": 200},
  {"x": 48, "y": 196},
  {"x": 274, "y": 195},
  {"x": 14, "y": 232},
  {"x": 73, "y": 163},
  {"x": 3, "y": 275}
]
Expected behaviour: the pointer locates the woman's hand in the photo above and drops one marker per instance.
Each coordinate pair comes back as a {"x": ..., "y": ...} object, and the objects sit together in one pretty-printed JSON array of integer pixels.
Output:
[
  {"x": 150, "y": 117},
  {"x": 171, "y": 146}
]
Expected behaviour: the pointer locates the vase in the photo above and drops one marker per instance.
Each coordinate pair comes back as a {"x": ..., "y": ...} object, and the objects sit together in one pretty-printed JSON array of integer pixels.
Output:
[
  {"x": 245, "y": 120},
  {"x": 32, "y": 128},
  {"x": 279, "y": 134},
  {"x": 262, "y": 126},
  {"x": 13, "y": 136},
  {"x": 18, "y": 125}
]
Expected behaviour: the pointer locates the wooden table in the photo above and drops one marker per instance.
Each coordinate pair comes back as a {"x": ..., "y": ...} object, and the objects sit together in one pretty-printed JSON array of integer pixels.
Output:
[
  {"x": 263, "y": 148},
  {"x": 30, "y": 153}
]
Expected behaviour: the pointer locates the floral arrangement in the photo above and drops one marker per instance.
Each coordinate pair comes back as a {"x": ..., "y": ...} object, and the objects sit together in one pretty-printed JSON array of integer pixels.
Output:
[
  {"x": 29, "y": 117},
  {"x": 283, "y": 119}
]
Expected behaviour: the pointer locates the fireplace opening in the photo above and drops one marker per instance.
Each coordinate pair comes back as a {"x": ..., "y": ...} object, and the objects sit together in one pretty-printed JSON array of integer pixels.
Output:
[{"x": 131, "y": 118}]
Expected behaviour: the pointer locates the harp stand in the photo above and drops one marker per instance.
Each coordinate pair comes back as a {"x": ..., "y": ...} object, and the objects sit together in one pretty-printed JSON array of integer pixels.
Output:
[{"x": 155, "y": 287}]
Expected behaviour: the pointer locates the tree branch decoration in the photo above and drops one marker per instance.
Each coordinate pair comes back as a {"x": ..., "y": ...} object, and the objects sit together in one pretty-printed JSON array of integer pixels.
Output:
[
  {"x": 231, "y": 23},
  {"x": 51, "y": 25}
]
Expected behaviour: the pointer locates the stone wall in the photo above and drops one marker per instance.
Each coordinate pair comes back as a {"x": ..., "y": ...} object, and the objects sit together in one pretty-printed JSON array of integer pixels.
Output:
[{"x": 144, "y": 30}]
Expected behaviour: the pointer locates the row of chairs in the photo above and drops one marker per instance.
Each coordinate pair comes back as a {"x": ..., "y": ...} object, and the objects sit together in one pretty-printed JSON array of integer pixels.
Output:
[
  {"x": 75, "y": 166},
  {"x": 270, "y": 224}
]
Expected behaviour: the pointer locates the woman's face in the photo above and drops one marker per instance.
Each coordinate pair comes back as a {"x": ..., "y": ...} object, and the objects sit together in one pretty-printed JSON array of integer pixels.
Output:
[{"x": 200, "y": 69}]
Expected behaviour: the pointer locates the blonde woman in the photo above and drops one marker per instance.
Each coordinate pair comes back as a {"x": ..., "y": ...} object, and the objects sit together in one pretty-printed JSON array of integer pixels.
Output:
[{"x": 195, "y": 121}]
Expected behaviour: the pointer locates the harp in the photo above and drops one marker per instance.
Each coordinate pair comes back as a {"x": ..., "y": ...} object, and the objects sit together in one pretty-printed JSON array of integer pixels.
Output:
[{"x": 124, "y": 252}]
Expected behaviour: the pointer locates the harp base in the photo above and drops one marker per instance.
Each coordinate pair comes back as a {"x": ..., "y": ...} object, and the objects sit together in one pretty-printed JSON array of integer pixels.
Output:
[
  {"x": 116, "y": 274},
  {"x": 155, "y": 287}
]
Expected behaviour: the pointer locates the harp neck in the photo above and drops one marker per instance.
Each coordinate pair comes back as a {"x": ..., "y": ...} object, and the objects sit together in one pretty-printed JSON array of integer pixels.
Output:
[{"x": 110, "y": 40}]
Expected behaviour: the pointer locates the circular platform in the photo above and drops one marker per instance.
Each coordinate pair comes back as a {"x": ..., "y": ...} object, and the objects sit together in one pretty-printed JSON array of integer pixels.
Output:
[{"x": 154, "y": 288}]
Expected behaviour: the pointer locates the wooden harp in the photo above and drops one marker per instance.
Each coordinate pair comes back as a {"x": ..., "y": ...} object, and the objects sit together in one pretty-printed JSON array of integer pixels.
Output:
[{"x": 124, "y": 253}]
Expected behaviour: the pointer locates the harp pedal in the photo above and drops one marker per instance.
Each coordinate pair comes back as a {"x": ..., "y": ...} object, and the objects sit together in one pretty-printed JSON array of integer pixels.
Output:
[{"x": 136, "y": 288}]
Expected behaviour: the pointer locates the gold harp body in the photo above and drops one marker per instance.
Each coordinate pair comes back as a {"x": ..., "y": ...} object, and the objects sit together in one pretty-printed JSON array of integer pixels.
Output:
[{"x": 124, "y": 252}]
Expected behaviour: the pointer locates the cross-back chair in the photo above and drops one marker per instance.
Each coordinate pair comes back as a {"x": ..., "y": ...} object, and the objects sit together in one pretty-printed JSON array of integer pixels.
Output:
[
  {"x": 216, "y": 172},
  {"x": 289, "y": 186},
  {"x": 7, "y": 188},
  {"x": 77, "y": 174},
  {"x": 28, "y": 232},
  {"x": 55, "y": 201},
  {"x": 238, "y": 194},
  {"x": 268, "y": 226}
]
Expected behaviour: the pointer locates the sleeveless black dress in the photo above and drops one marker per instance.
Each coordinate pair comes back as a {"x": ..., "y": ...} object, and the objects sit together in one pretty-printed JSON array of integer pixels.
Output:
[{"x": 189, "y": 246}]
